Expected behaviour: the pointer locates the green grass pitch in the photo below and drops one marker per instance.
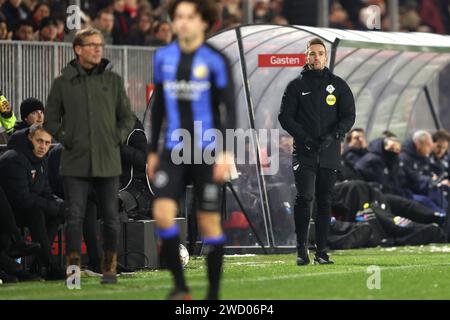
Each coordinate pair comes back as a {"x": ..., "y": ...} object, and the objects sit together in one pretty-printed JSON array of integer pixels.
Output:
[{"x": 421, "y": 272}]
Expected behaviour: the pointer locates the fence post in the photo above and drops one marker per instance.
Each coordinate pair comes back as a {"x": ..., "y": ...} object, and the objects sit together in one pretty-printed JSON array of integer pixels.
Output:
[
  {"x": 19, "y": 93},
  {"x": 55, "y": 61},
  {"x": 125, "y": 67}
]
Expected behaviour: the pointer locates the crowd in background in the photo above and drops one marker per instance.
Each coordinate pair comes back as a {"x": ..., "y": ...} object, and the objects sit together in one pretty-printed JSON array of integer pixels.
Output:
[{"x": 143, "y": 22}]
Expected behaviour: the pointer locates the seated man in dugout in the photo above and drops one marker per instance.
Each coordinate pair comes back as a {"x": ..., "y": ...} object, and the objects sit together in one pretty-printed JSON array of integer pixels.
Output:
[{"x": 23, "y": 177}]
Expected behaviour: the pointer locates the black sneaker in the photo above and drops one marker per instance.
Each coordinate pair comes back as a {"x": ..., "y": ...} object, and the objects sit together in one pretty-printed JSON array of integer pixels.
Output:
[
  {"x": 22, "y": 249},
  {"x": 302, "y": 256},
  {"x": 322, "y": 258},
  {"x": 24, "y": 276},
  {"x": 8, "y": 278},
  {"x": 303, "y": 261},
  {"x": 178, "y": 294}
]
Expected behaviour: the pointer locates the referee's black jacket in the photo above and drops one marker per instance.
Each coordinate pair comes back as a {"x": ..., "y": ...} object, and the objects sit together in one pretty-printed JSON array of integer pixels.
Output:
[{"x": 316, "y": 104}]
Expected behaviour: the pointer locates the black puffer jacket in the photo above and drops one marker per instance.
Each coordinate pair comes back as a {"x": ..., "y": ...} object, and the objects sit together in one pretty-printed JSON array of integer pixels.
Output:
[
  {"x": 384, "y": 168},
  {"x": 352, "y": 155},
  {"x": 413, "y": 160},
  {"x": 24, "y": 179},
  {"x": 308, "y": 113}
]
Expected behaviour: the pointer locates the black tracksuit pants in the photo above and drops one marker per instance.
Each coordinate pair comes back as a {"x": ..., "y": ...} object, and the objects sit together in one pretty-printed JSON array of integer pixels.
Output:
[{"x": 313, "y": 184}]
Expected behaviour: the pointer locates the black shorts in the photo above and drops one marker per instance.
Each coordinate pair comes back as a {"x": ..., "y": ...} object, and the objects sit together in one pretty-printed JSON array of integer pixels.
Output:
[{"x": 171, "y": 181}]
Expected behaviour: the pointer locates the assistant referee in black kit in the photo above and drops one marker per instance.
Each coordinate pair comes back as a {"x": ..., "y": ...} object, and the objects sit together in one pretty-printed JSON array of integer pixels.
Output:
[{"x": 317, "y": 109}]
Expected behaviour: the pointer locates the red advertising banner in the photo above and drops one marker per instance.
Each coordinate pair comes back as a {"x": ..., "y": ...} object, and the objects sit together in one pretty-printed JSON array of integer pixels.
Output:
[{"x": 281, "y": 60}]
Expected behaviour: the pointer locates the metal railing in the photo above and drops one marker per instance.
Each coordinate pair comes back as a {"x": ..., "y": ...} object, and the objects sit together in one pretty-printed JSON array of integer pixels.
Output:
[{"x": 27, "y": 69}]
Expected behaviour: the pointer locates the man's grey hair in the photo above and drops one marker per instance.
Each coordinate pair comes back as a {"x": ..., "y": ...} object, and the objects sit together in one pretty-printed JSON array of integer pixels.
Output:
[
  {"x": 421, "y": 135},
  {"x": 36, "y": 127}
]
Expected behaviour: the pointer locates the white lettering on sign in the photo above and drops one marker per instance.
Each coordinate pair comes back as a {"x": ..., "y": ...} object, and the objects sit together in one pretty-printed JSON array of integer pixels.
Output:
[{"x": 286, "y": 60}]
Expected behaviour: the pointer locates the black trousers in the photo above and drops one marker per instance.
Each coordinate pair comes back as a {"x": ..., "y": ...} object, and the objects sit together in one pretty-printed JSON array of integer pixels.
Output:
[
  {"x": 410, "y": 209},
  {"x": 8, "y": 225},
  {"x": 43, "y": 228},
  {"x": 76, "y": 192},
  {"x": 90, "y": 233},
  {"x": 313, "y": 184}
]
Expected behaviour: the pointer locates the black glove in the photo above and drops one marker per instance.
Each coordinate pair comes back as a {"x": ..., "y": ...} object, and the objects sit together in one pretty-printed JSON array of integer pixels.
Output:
[
  {"x": 326, "y": 141},
  {"x": 310, "y": 144},
  {"x": 56, "y": 208},
  {"x": 338, "y": 135}
]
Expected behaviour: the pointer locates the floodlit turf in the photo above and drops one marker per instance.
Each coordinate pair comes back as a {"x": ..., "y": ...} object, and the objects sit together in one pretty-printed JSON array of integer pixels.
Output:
[{"x": 406, "y": 273}]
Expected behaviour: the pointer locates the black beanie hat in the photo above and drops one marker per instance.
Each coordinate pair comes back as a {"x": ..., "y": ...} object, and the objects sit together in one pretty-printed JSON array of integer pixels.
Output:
[{"x": 30, "y": 105}]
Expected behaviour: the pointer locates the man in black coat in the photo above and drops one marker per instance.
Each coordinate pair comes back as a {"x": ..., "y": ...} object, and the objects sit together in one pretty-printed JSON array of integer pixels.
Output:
[
  {"x": 317, "y": 109},
  {"x": 415, "y": 156},
  {"x": 23, "y": 176},
  {"x": 381, "y": 165},
  {"x": 14, "y": 11},
  {"x": 31, "y": 112},
  {"x": 415, "y": 152},
  {"x": 355, "y": 146},
  {"x": 439, "y": 159}
]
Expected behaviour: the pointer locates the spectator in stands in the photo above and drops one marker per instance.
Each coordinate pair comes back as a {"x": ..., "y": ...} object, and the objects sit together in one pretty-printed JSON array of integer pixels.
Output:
[
  {"x": 279, "y": 20},
  {"x": 41, "y": 11},
  {"x": 409, "y": 19},
  {"x": 430, "y": 13},
  {"x": 31, "y": 112},
  {"x": 439, "y": 158},
  {"x": 261, "y": 12},
  {"x": 7, "y": 120},
  {"x": 352, "y": 9},
  {"x": 24, "y": 31},
  {"x": 121, "y": 22},
  {"x": 356, "y": 146},
  {"x": 14, "y": 12},
  {"x": 60, "y": 29},
  {"x": 231, "y": 8},
  {"x": 105, "y": 23},
  {"x": 5, "y": 34},
  {"x": 30, "y": 4},
  {"x": 141, "y": 33},
  {"x": 231, "y": 21},
  {"x": 339, "y": 17},
  {"x": 23, "y": 173},
  {"x": 48, "y": 30},
  {"x": 131, "y": 8},
  {"x": 162, "y": 34},
  {"x": 301, "y": 12}
]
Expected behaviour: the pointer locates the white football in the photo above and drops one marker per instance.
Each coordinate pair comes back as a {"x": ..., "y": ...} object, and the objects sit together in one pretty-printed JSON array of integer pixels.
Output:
[{"x": 184, "y": 255}]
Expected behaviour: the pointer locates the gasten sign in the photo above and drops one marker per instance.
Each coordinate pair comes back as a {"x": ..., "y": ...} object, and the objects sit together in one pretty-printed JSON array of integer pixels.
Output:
[{"x": 281, "y": 60}]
